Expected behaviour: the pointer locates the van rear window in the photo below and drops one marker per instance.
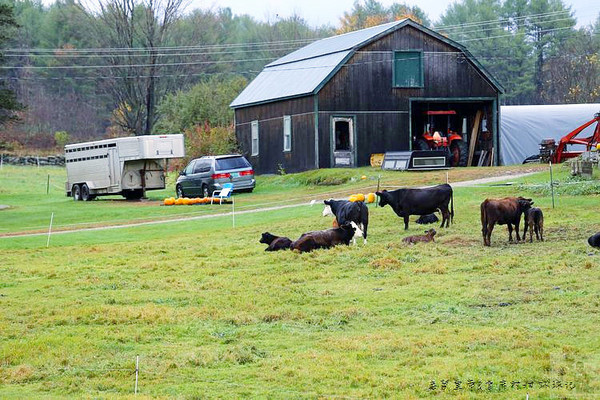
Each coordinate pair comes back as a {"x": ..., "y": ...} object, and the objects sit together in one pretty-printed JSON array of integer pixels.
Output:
[{"x": 231, "y": 163}]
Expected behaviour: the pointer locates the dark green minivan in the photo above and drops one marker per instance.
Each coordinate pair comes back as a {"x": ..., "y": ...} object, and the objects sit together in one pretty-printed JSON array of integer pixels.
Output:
[{"x": 202, "y": 176}]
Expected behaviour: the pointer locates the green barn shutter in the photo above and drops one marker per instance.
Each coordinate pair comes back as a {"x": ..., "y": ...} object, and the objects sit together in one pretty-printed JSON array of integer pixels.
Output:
[{"x": 408, "y": 69}]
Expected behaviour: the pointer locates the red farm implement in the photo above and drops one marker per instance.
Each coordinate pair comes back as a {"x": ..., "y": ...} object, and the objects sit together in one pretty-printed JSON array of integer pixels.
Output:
[{"x": 550, "y": 151}]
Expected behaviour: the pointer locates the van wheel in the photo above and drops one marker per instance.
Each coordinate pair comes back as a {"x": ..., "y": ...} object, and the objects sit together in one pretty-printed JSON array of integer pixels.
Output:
[
  {"x": 205, "y": 191},
  {"x": 85, "y": 193},
  {"x": 179, "y": 191},
  {"x": 76, "y": 191}
]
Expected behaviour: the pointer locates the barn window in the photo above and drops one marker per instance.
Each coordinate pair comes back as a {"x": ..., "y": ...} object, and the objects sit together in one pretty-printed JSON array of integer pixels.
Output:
[
  {"x": 287, "y": 133},
  {"x": 254, "y": 138},
  {"x": 408, "y": 69}
]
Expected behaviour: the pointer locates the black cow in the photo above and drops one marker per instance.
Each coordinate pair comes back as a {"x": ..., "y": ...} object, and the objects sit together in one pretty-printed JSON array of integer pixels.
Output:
[
  {"x": 502, "y": 211},
  {"x": 324, "y": 239},
  {"x": 407, "y": 202},
  {"x": 275, "y": 242},
  {"x": 427, "y": 219},
  {"x": 594, "y": 240},
  {"x": 348, "y": 211}
]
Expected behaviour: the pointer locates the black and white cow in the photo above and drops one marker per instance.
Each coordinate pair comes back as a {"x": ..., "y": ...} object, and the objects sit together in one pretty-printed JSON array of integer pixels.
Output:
[
  {"x": 422, "y": 201},
  {"x": 347, "y": 211}
]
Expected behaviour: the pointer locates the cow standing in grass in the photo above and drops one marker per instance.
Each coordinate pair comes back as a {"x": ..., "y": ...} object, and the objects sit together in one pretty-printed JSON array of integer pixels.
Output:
[
  {"x": 346, "y": 211},
  {"x": 407, "y": 202},
  {"x": 506, "y": 211},
  {"x": 534, "y": 220}
]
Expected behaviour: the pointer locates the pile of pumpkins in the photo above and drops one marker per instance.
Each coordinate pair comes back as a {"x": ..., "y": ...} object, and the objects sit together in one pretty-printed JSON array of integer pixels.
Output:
[
  {"x": 369, "y": 198},
  {"x": 172, "y": 201}
]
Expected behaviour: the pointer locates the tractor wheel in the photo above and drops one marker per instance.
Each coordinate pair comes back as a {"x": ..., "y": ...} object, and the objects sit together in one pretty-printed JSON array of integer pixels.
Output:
[
  {"x": 422, "y": 144},
  {"x": 458, "y": 153}
]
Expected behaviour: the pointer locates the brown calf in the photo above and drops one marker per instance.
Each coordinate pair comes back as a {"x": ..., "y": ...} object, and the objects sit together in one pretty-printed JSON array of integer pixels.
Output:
[
  {"x": 324, "y": 239},
  {"x": 428, "y": 237},
  {"x": 506, "y": 211},
  {"x": 534, "y": 220}
]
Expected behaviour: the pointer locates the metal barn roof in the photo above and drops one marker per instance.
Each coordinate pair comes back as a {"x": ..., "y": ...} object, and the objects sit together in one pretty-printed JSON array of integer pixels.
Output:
[
  {"x": 333, "y": 44},
  {"x": 306, "y": 70}
]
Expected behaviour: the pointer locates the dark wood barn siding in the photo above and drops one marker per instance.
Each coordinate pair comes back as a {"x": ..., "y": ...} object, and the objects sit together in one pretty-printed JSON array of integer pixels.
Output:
[
  {"x": 363, "y": 88},
  {"x": 270, "y": 127}
]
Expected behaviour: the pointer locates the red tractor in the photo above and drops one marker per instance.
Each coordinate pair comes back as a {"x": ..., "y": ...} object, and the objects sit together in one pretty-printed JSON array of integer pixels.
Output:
[{"x": 434, "y": 138}]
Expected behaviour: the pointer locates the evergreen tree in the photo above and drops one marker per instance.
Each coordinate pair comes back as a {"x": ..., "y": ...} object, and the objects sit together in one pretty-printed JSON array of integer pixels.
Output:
[{"x": 8, "y": 100}]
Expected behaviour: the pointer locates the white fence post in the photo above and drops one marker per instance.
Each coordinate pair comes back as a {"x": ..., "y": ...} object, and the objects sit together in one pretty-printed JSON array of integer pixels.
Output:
[
  {"x": 50, "y": 230},
  {"x": 137, "y": 370}
]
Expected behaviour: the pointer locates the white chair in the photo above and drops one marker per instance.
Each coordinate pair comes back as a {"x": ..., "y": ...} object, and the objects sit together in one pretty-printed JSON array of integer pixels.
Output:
[{"x": 222, "y": 194}]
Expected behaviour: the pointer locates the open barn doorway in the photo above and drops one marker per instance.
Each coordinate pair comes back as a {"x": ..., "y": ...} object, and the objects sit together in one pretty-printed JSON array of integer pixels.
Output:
[
  {"x": 464, "y": 129},
  {"x": 343, "y": 141}
]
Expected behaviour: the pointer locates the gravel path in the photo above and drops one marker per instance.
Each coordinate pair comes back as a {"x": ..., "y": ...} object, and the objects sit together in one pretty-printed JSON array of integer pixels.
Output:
[{"x": 473, "y": 182}]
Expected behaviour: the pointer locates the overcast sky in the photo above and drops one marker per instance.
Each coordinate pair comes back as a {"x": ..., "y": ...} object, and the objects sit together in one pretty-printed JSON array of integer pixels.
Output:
[{"x": 322, "y": 12}]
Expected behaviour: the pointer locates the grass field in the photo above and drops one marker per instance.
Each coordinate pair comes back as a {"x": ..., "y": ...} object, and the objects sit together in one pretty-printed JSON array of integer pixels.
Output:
[{"x": 211, "y": 315}]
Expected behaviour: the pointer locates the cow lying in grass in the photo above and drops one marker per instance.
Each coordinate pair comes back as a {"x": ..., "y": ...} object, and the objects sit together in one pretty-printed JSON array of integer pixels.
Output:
[
  {"x": 502, "y": 211},
  {"x": 534, "y": 220},
  {"x": 324, "y": 239},
  {"x": 594, "y": 240},
  {"x": 428, "y": 237},
  {"x": 407, "y": 202},
  {"x": 347, "y": 211},
  {"x": 275, "y": 242},
  {"x": 427, "y": 219}
]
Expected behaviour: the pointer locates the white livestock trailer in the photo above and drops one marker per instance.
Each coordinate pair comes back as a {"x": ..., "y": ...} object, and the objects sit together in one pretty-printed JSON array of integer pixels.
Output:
[{"x": 127, "y": 166}]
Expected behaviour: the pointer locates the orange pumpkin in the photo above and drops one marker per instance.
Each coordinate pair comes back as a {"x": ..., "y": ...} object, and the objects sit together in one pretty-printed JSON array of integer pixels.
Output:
[
  {"x": 169, "y": 201},
  {"x": 179, "y": 201},
  {"x": 360, "y": 197},
  {"x": 353, "y": 198},
  {"x": 371, "y": 198}
]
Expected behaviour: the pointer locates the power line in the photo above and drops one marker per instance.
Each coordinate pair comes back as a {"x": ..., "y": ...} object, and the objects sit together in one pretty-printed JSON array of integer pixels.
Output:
[
  {"x": 251, "y": 72},
  {"x": 165, "y": 48},
  {"x": 109, "y": 55},
  {"x": 66, "y": 67},
  {"x": 73, "y": 55},
  {"x": 498, "y": 20}
]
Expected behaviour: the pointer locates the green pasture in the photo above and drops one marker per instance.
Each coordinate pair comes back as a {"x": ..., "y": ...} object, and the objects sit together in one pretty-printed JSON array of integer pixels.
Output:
[
  {"x": 33, "y": 194},
  {"x": 211, "y": 315}
]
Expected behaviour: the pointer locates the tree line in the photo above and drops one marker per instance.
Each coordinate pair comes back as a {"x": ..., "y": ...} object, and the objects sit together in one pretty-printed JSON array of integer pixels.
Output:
[{"x": 123, "y": 67}]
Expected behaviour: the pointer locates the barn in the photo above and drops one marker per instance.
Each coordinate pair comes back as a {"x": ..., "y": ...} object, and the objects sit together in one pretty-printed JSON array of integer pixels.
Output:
[{"x": 339, "y": 100}]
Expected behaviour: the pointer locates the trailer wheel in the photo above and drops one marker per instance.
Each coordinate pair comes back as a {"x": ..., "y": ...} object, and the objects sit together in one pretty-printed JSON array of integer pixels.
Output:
[
  {"x": 76, "y": 191},
  {"x": 179, "y": 191},
  {"x": 85, "y": 193}
]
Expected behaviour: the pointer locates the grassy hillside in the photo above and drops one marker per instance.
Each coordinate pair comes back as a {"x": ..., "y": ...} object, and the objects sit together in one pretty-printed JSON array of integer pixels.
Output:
[{"x": 212, "y": 315}]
